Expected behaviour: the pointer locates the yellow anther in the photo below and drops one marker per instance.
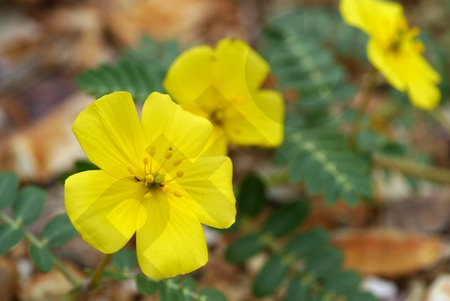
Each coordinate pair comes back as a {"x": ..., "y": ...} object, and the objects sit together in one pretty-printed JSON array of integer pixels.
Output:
[
  {"x": 149, "y": 178},
  {"x": 414, "y": 32},
  {"x": 169, "y": 154},
  {"x": 147, "y": 195},
  {"x": 180, "y": 173},
  {"x": 145, "y": 160},
  {"x": 152, "y": 150},
  {"x": 419, "y": 47},
  {"x": 178, "y": 193},
  {"x": 131, "y": 170},
  {"x": 165, "y": 189},
  {"x": 177, "y": 162}
]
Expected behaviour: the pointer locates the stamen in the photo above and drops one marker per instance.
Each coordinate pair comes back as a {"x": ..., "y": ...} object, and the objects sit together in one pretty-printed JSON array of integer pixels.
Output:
[
  {"x": 131, "y": 170},
  {"x": 152, "y": 150},
  {"x": 147, "y": 195},
  {"x": 177, "y": 162},
  {"x": 180, "y": 173},
  {"x": 419, "y": 47},
  {"x": 169, "y": 154},
  {"x": 149, "y": 178},
  {"x": 145, "y": 160},
  {"x": 414, "y": 32},
  {"x": 178, "y": 193}
]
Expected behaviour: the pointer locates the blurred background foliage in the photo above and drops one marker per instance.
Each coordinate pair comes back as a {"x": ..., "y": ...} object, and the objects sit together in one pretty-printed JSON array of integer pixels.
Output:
[{"x": 291, "y": 201}]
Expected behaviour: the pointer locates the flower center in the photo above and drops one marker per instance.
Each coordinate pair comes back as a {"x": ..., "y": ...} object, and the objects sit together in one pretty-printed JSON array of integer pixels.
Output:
[
  {"x": 218, "y": 116},
  {"x": 406, "y": 35},
  {"x": 157, "y": 178}
]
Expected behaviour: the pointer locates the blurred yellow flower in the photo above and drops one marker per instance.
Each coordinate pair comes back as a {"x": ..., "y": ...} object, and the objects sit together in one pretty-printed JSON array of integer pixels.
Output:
[
  {"x": 394, "y": 50},
  {"x": 151, "y": 183},
  {"x": 224, "y": 85}
]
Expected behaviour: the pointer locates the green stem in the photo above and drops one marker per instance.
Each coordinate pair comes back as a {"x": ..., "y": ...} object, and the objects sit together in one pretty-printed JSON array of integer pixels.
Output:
[
  {"x": 369, "y": 85},
  {"x": 435, "y": 174},
  {"x": 441, "y": 119},
  {"x": 35, "y": 241},
  {"x": 96, "y": 277}
]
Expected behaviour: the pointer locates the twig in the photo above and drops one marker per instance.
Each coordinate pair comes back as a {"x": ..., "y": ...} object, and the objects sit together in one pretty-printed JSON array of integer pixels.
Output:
[
  {"x": 435, "y": 174},
  {"x": 95, "y": 279},
  {"x": 35, "y": 241},
  {"x": 369, "y": 86}
]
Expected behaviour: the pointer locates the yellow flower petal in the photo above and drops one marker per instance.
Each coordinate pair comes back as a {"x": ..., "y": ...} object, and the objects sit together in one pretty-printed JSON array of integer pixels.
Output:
[
  {"x": 424, "y": 95},
  {"x": 169, "y": 243},
  {"x": 258, "y": 121},
  {"x": 217, "y": 144},
  {"x": 102, "y": 208},
  {"x": 207, "y": 190},
  {"x": 166, "y": 125},
  {"x": 388, "y": 63},
  {"x": 109, "y": 132},
  {"x": 408, "y": 71},
  {"x": 377, "y": 18},
  {"x": 190, "y": 74},
  {"x": 238, "y": 69}
]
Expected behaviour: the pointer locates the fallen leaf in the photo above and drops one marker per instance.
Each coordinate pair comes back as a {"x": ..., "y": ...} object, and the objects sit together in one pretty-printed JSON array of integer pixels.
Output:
[{"x": 388, "y": 253}]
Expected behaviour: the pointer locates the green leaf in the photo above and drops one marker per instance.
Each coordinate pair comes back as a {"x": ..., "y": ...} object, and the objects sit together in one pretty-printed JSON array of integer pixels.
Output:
[
  {"x": 9, "y": 182},
  {"x": 252, "y": 196},
  {"x": 361, "y": 296},
  {"x": 140, "y": 71},
  {"x": 147, "y": 286},
  {"x": 270, "y": 276},
  {"x": 307, "y": 242},
  {"x": 9, "y": 237},
  {"x": 211, "y": 294},
  {"x": 342, "y": 282},
  {"x": 286, "y": 218},
  {"x": 302, "y": 64},
  {"x": 125, "y": 259},
  {"x": 42, "y": 258},
  {"x": 29, "y": 205},
  {"x": 320, "y": 157},
  {"x": 297, "y": 291},
  {"x": 188, "y": 288},
  {"x": 243, "y": 248},
  {"x": 115, "y": 275},
  {"x": 324, "y": 262},
  {"x": 131, "y": 76},
  {"x": 170, "y": 291},
  {"x": 189, "y": 283},
  {"x": 58, "y": 231}
]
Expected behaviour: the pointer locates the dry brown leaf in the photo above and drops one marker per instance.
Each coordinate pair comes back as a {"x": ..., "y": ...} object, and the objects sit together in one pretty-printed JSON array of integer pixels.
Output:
[
  {"x": 47, "y": 148},
  {"x": 8, "y": 279},
  {"x": 50, "y": 286},
  {"x": 387, "y": 252},
  {"x": 128, "y": 20}
]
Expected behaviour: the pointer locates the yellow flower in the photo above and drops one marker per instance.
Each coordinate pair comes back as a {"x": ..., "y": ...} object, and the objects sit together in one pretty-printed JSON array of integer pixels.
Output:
[
  {"x": 151, "y": 183},
  {"x": 394, "y": 50},
  {"x": 223, "y": 85}
]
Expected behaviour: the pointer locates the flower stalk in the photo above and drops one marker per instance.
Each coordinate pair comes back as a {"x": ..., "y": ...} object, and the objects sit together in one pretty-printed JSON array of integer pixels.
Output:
[
  {"x": 369, "y": 86},
  {"x": 435, "y": 174},
  {"x": 97, "y": 276},
  {"x": 35, "y": 241}
]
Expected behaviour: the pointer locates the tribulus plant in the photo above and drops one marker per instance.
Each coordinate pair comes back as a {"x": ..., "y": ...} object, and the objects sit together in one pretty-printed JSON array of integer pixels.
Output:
[{"x": 158, "y": 136}]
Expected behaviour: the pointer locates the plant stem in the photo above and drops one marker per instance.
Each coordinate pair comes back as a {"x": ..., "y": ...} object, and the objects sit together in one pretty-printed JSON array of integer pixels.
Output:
[
  {"x": 441, "y": 119},
  {"x": 35, "y": 241},
  {"x": 95, "y": 279},
  {"x": 369, "y": 85},
  {"x": 436, "y": 174}
]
